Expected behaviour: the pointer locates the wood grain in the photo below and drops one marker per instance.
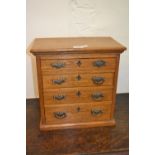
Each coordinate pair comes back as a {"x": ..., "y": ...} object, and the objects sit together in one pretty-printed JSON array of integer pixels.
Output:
[
  {"x": 76, "y": 95},
  {"x": 57, "y": 45},
  {"x": 71, "y": 80},
  {"x": 115, "y": 88},
  {"x": 40, "y": 86},
  {"x": 77, "y": 66},
  {"x": 77, "y": 125},
  {"x": 88, "y": 141},
  {"x": 77, "y": 73},
  {"x": 83, "y": 55},
  {"x": 74, "y": 116}
]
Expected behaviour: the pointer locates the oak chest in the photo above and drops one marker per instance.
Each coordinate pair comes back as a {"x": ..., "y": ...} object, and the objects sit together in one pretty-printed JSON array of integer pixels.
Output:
[{"x": 77, "y": 79}]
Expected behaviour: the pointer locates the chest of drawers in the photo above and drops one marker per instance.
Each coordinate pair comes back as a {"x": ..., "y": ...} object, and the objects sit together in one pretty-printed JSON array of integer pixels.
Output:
[{"x": 77, "y": 79}]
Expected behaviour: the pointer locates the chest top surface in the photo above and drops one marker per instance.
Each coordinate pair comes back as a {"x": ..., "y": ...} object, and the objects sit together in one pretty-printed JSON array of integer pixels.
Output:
[{"x": 76, "y": 45}]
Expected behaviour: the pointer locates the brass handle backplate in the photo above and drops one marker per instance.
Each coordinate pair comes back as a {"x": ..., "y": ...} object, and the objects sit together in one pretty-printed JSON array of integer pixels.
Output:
[
  {"x": 97, "y": 96},
  {"x": 58, "y": 65},
  {"x": 59, "y": 97},
  {"x": 59, "y": 81},
  {"x": 60, "y": 115},
  {"x": 99, "y": 63},
  {"x": 98, "y": 80},
  {"x": 96, "y": 112}
]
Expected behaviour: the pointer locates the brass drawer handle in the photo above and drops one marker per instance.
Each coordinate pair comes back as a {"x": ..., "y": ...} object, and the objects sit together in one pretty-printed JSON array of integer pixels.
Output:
[
  {"x": 59, "y": 82},
  {"x": 60, "y": 115},
  {"x": 99, "y": 63},
  {"x": 98, "y": 80},
  {"x": 59, "y": 97},
  {"x": 97, "y": 96},
  {"x": 96, "y": 112},
  {"x": 58, "y": 65}
]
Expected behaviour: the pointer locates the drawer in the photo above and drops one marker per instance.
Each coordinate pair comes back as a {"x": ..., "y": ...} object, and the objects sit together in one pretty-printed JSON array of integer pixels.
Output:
[
  {"x": 77, "y": 95},
  {"x": 77, "y": 65},
  {"x": 77, "y": 80},
  {"x": 78, "y": 113}
]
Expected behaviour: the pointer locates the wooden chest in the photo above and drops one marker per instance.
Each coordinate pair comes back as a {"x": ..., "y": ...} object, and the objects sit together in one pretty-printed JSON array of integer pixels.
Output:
[{"x": 77, "y": 80}]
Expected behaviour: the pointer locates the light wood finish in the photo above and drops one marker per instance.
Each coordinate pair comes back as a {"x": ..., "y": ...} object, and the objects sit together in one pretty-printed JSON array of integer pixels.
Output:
[
  {"x": 77, "y": 65},
  {"x": 40, "y": 86},
  {"x": 76, "y": 95},
  {"x": 76, "y": 75},
  {"x": 115, "y": 88},
  {"x": 73, "y": 115},
  {"x": 76, "y": 55},
  {"x": 90, "y": 44},
  {"x": 70, "y": 80},
  {"x": 47, "y": 127}
]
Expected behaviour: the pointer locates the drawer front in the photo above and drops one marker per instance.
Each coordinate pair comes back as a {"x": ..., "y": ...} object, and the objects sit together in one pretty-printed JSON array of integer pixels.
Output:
[
  {"x": 77, "y": 80},
  {"x": 78, "y": 113},
  {"x": 77, "y": 95},
  {"x": 77, "y": 65}
]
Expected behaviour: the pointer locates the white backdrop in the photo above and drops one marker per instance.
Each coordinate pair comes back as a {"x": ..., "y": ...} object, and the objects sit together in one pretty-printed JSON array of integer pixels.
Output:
[{"x": 54, "y": 18}]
